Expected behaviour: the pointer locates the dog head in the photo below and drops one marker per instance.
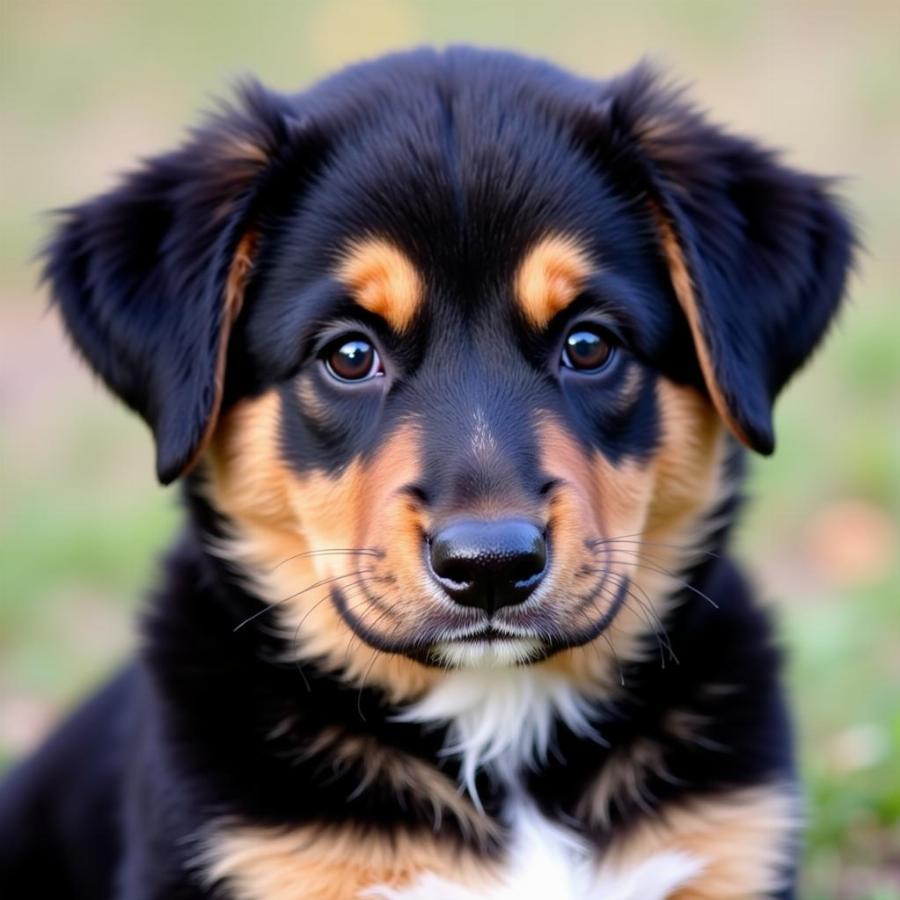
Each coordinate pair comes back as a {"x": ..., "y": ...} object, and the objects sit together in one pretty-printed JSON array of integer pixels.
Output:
[{"x": 459, "y": 346}]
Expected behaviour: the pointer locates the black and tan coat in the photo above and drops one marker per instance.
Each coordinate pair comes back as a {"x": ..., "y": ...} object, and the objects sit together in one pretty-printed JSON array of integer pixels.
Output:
[{"x": 439, "y": 302}]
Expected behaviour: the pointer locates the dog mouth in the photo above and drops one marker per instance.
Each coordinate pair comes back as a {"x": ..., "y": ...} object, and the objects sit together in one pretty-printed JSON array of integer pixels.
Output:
[
  {"x": 488, "y": 634},
  {"x": 513, "y": 636},
  {"x": 488, "y": 649}
]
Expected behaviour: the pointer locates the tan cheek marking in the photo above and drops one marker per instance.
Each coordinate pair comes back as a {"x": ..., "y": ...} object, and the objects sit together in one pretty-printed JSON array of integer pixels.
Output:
[
  {"x": 625, "y": 493},
  {"x": 281, "y": 519},
  {"x": 247, "y": 479},
  {"x": 743, "y": 840},
  {"x": 550, "y": 277},
  {"x": 320, "y": 863},
  {"x": 611, "y": 499},
  {"x": 574, "y": 510},
  {"x": 361, "y": 509},
  {"x": 659, "y": 511},
  {"x": 596, "y": 500},
  {"x": 654, "y": 509},
  {"x": 383, "y": 280},
  {"x": 687, "y": 299},
  {"x": 689, "y": 462}
]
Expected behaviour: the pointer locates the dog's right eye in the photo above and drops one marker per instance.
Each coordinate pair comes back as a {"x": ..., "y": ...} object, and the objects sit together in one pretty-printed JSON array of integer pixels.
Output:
[{"x": 353, "y": 358}]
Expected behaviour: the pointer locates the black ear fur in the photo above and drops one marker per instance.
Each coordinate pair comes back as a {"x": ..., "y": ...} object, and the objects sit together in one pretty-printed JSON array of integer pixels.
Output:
[
  {"x": 759, "y": 253},
  {"x": 141, "y": 273}
]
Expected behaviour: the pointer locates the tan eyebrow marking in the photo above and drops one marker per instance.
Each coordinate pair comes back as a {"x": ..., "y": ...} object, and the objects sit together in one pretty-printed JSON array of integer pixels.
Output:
[
  {"x": 550, "y": 277},
  {"x": 383, "y": 280}
]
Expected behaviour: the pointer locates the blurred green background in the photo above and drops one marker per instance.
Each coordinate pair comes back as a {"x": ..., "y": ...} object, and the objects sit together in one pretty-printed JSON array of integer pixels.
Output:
[{"x": 86, "y": 87}]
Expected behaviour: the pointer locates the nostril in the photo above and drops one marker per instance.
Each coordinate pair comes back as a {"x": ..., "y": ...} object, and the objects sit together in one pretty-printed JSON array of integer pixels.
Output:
[
  {"x": 527, "y": 565},
  {"x": 489, "y": 563},
  {"x": 455, "y": 571},
  {"x": 449, "y": 561}
]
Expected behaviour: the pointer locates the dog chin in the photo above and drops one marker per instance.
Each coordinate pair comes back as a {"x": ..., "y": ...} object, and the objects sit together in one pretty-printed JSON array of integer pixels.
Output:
[{"x": 488, "y": 654}]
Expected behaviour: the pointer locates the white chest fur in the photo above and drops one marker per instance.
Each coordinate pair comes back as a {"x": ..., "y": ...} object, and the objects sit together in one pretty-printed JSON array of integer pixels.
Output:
[
  {"x": 506, "y": 719},
  {"x": 502, "y": 718}
]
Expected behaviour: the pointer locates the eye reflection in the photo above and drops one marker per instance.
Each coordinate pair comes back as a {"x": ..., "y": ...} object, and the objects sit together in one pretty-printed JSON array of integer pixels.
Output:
[
  {"x": 352, "y": 359},
  {"x": 587, "y": 349}
]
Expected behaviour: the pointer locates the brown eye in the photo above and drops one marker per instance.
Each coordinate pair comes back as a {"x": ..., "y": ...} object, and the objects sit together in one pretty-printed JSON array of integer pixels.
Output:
[
  {"x": 353, "y": 359},
  {"x": 587, "y": 349}
]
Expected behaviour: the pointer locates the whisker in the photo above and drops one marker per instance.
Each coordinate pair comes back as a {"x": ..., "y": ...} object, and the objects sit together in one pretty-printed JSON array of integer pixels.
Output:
[
  {"x": 362, "y": 685},
  {"x": 323, "y": 582},
  {"x": 605, "y": 635},
  {"x": 592, "y": 604},
  {"x": 295, "y": 641},
  {"x": 661, "y": 570},
  {"x": 651, "y": 617},
  {"x": 355, "y": 636},
  {"x": 270, "y": 606},
  {"x": 330, "y": 551},
  {"x": 646, "y": 613},
  {"x": 345, "y": 588},
  {"x": 633, "y": 552},
  {"x": 638, "y": 539},
  {"x": 646, "y": 604}
]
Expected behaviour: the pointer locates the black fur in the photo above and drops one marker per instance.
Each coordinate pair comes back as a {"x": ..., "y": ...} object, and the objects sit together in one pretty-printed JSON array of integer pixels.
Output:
[{"x": 463, "y": 159}]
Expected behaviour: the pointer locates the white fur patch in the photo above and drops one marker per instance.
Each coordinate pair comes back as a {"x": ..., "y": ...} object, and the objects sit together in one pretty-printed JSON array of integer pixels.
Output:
[
  {"x": 502, "y": 717},
  {"x": 654, "y": 878},
  {"x": 505, "y": 718},
  {"x": 547, "y": 861},
  {"x": 487, "y": 654}
]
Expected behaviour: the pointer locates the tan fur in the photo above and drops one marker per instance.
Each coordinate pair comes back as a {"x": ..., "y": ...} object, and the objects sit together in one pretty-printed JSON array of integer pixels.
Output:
[
  {"x": 311, "y": 401},
  {"x": 743, "y": 840},
  {"x": 687, "y": 299},
  {"x": 317, "y": 863},
  {"x": 625, "y": 773},
  {"x": 284, "y": 519},
  {"x": 622, "y": 778},
  {"x": 550, "y": 277},
  {"x": 405, "y": 776},
  {"x": 233, "y": 301},
  {"x": 647, "y": 514},
  {"x": 383, "y": 280},
  {"x": 630, "y": 390},
  {"x": 688, "y": 465}
]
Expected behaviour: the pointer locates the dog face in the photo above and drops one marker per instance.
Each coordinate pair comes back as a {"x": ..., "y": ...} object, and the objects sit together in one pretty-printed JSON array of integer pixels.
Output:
[{"x": 462, "y": 345}]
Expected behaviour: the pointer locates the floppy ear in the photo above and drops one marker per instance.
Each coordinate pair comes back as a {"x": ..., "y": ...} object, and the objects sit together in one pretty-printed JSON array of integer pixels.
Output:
[
  {"x": 150, "y": 277},
  {"x": 758, "y": 253}
]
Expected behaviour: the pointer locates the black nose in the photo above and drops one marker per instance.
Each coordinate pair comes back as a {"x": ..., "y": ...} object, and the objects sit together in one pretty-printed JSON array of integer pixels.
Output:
[{"x": 489, "y": 564}]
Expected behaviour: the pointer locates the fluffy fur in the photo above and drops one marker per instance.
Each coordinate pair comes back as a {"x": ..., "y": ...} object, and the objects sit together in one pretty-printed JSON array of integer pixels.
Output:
[
  {"x": 315, "y": 710},
  {"x": 502, "y": 718}
]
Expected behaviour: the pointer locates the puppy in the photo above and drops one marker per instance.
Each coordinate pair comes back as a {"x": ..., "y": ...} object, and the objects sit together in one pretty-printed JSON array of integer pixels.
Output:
[{"x": 456, "y": 357}]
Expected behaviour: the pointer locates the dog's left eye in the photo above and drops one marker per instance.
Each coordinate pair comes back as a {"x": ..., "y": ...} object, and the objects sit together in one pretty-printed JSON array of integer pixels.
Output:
[
  {"x": 587, "y": 348},
  {"x": 352, "y": 359}
]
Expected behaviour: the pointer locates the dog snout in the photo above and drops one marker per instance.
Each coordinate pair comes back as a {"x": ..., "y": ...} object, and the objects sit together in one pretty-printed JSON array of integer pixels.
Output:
[{"x": 489, "y": 564}]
